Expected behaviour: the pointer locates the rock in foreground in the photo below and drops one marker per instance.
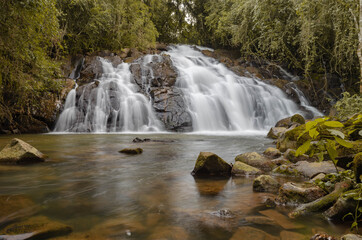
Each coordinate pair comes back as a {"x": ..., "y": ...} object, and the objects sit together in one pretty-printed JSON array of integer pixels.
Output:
[
  {"x": 20, "y": 152},
  {"x": 243, "y": 169},
  {"x": 256, "y": 160},
  {"x": 131, "y": 151},
  {"x": 210, "y": 164},
  {"x": 265, "y": 183}
]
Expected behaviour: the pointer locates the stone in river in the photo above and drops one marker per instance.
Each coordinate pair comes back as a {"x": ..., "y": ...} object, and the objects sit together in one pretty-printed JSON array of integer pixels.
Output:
[
  {"x": 20, "y": 152},
  {"x": 131, "y": 151},
  {"x": 210, "y": 164},
  {"x": 251, "y": 233},
  {"x": 169, "y": 233},
  {"x": 265, "y": 183},
  {"x": 40, "y": 227},
  {"x": 15, "y": 207},
  {"x": 256, "y": 160},
  {"x": 243, "y": 169},
  {"x": 280, "y": 219}
]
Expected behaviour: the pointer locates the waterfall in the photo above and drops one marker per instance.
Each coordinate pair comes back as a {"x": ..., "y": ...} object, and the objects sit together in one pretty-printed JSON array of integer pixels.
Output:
[
  {"x": 110, "y": 104},
  {"x": 215, "y": 98},
  {"x": 220, "y": 100}
]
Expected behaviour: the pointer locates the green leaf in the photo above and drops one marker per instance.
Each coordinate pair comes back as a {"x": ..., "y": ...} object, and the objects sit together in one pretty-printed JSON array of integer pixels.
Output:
[
  {"x": 352, "y": 131},
  {"x": 336, "y": 133},
  {"x": 319, "y": 120},
  {"x": 320, "y": 156},
  {"x": 303, "y": 149},
  {"x": 331, "y": 149},
  {"x": 310, "y": 125},
  {"x": 344, "y": 143},
  {"x": 313, "y": 133},
  {"x": 333, "y": 124}
]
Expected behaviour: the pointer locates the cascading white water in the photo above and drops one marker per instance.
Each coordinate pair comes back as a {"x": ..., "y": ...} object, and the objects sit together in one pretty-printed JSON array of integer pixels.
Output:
[
  {"x": 216, "y": 98},
  {"x": 220, "y": 100},
  {"x": 113, "y": 106}
]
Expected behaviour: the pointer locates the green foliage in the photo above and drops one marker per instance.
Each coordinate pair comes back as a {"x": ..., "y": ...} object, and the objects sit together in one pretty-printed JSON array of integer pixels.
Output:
[
  {"x": 348, "y": 106},
  {"x": 325, "y": 139},
  {"x": 28, "y": 36}
]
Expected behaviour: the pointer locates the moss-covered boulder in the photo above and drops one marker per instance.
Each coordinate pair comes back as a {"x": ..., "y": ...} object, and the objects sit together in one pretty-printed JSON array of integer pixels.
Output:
[
  {"x": 297, "y": 118},
  {"x": 265, "y": 183},
  {"x": 272, "y": 152},
  {"x": 286, "y": 170},
  {"x": 210, "y": 164},
  {"x": 285, "y": 122},
  {"x": 357, "y": 166},
  {"x": 256, "y": 160},
  {"x": 40, "y": 227},
  {"x": 131, "y": 151},
  {"x": 290, "y": 139},
  {"x": 290, "y": 155},
  {"x": 20, "y": 152},
  {"x": 243, "y": 169},
  {"x": 292, "y": 193},
  {"x": 276, "y": 132}
]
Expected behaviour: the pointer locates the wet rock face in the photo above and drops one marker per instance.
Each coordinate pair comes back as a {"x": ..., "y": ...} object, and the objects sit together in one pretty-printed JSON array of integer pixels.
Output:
[{"x": 156, "y": 78}]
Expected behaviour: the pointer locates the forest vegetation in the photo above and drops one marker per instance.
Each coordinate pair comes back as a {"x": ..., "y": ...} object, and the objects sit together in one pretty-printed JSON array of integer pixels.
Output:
[{"x": 309, "y": 37}]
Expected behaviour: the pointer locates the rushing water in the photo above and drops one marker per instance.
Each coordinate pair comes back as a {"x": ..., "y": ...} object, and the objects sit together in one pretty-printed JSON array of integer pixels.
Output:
[
  {"x": 103, "y": 194},
  {"x": 217, "y": 99}
]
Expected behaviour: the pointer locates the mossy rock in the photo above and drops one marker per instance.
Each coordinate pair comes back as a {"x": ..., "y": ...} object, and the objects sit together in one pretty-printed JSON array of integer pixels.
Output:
[
  {"x": 285, "y": 122},
  {"x": 20, "y": 152},
  {"x": 39, "y": 227},
  {"x": 357, "y": 166},
  {"x": 286, "y": 170},
  {"x": 272, "y": 152},
  {"x": 356, "y": 148},
  {"x": 243, "y": 169},
  {"x": 297, "y": 118},
  {"x": 256, "y": 160},
  {"x": 265, "y": 183},
  {"x": 276, "y": 132},
  {"x": 292, "y": 193},
  {"x": 131, "y": 151},
  {"x": 210, "y": 164}
]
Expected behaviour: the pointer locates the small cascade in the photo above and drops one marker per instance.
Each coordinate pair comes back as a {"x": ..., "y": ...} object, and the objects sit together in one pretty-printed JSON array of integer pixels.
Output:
[
  {"x": 220, "y": 100},
  {"x": 304, "y": 101},
  {"x": 110, "y": 104}
]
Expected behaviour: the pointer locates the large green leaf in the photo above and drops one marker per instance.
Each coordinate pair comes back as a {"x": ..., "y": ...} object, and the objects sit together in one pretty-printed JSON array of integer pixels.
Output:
[
  {"x": 333, "y": 124},
  {"x": 311, "y": 124},
  {"x": 336, "y": 133},
  {"x": 303, "y": 149},
  {"x": 344, "y": 143},
  {"x": 331, "y": 149},
  {"x": 313, "y": 133}
]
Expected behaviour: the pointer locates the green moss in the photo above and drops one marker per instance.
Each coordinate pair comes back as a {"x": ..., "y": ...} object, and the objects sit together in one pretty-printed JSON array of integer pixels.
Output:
[{"x": 297, "y": 118}]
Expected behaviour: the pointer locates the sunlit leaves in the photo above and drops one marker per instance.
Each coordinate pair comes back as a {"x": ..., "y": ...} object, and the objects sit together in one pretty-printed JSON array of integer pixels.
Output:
[
  {"x": 335, "y": 124},
  {"x": 344, "y": 143},
  {"x": 303, "y": 148}
]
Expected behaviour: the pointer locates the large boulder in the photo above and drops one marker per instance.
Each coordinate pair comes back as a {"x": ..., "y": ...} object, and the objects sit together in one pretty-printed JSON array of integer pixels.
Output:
[
  {"x": 311, "y": 169},
  {"x": 243, "y": 169},
  {"x": 20, "y": 152},
  {"x": 210, "y": 164},
  {"x": 292, "y": 193},
  {"x": 256, "y": 160},
  {"x": 265, "y": 183}
]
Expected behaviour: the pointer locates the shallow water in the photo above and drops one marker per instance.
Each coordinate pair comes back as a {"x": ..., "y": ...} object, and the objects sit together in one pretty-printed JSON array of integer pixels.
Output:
[{"x": 103, "y": 194}]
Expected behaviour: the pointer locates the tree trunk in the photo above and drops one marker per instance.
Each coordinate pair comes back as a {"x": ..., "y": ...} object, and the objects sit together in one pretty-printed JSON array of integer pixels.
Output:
[{"x": 359, "y": 50}]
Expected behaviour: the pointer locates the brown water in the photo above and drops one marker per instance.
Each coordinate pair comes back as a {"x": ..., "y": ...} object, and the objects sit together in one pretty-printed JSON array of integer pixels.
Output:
[{"x": 103, "y": 194}]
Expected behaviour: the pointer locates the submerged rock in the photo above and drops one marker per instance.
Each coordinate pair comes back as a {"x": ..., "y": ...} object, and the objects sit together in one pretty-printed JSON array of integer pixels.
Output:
[
  {"x": 15, "y": 207},
  {"x": 40, "y": 227},
  {"x": 260, "y": 220},
  {"x": 281, "y": 220},
  {"x": 252, "y": 233},
  {"x": 131, "y": 151},
  {"x": 265, "y": 183},
  {"x": 210, "y": 164},
  {"x": 243, "y": 169},
  {"x": 287, "y": 235},
  {"x": 168, "y": 232},
  {"x": 20, "y": 152},
  {"x": 292, "y": 193},
  {"x": 256, "y": 160}
]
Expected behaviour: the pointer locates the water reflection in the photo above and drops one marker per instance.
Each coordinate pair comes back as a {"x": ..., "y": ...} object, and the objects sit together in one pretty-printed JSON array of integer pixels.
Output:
[{"x": 103, "y": 194}]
